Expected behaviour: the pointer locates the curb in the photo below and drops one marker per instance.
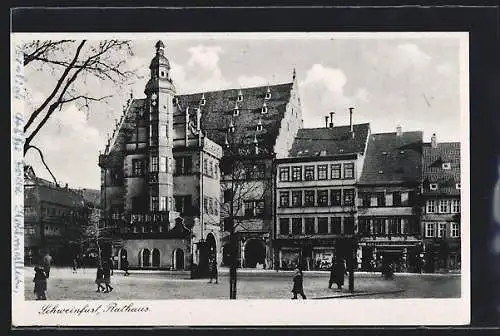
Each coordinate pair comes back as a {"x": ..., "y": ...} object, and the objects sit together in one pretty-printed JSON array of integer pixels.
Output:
[{"x": 358, "y": 294}]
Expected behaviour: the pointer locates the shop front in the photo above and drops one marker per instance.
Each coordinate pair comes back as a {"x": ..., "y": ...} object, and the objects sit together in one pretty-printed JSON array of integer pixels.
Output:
[
  {"x": 403, "y": 257},
  {"x": 309, "y": 254}
]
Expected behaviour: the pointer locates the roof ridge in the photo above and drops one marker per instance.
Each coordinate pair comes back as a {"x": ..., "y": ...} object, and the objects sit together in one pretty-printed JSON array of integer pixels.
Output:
[{"x": 231, "y": 89}]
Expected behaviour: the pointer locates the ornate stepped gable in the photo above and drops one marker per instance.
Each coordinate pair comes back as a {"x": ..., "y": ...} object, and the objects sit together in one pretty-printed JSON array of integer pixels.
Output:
[
  {"x": 330, "y": 141},
  {"x": 393, "y": 159},
  {"x": 433, "y": 172}
]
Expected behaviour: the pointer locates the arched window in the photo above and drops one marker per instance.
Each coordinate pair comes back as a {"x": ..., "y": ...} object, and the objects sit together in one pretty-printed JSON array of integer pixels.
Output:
[{"x": 144, "y": 255}]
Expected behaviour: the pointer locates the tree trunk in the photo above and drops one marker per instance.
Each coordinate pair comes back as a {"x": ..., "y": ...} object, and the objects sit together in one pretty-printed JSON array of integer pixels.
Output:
[{"x": 232, "y": 269}]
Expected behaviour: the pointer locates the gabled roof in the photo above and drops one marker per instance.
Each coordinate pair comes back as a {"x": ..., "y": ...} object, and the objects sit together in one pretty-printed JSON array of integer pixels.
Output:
[
  {"x": 217, "y": 113},
  {"x": 329, "y": 141},
  {"x": 433, "y": 171},
  {"x": 393, "y": 159}
]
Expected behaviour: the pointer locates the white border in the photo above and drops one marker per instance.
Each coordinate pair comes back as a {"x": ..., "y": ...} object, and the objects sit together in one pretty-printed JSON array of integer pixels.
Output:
[{"x": 362, "y": 312}]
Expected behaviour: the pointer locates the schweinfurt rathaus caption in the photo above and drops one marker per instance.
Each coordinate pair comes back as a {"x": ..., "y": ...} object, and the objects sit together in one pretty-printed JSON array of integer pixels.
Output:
[{"x": 169, "y": 186}]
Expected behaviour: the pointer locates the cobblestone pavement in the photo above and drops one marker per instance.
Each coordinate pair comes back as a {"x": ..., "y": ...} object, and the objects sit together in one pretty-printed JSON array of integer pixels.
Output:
[{"x": 64, "y": 285}]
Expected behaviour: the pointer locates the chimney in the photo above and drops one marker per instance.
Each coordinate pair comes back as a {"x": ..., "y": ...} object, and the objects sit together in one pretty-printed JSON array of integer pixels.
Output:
[
  {"x": 350, "y": 119},
  {"x": 326, "y": 121},
  {"x": 433, "y": 140},
  {"x": 331, "y": 119},
  {"x": 399, "y": 131}
]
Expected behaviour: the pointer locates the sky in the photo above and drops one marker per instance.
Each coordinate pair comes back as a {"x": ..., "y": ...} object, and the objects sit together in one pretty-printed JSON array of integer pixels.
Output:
[{"x": 408, "y": 80}]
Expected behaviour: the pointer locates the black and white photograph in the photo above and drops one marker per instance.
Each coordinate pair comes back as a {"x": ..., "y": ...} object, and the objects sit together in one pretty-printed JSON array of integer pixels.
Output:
[{"x": 270, "y": 170}]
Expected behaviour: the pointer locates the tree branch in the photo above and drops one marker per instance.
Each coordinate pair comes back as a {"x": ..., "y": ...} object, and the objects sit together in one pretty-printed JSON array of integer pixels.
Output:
[{"x": 43, "y": 161}]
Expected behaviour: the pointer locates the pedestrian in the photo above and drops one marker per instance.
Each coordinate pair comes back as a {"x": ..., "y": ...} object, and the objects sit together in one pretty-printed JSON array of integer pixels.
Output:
[
  {"x": 125, "y": 266},
  {"x": 75, "y": 265},
  {"x": 47, "y": 262},
  {"x": 298, "y": 284},
  {"x": 99, "y": 279},
  {"x": 108, "y": 270},
  {"x": 212, "y": 270},
  {"x": 40, "y": 281},
  {"x": 337, "y": 273}
]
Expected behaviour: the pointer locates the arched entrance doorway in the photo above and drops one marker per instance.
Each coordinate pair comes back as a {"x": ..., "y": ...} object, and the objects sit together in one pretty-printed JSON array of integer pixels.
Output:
[
  {"x": 122, "y": 256},
  {"x": 178, "y": 259},
  {"x": 144, "y": 255},
  {"x": 156, "y": 257},
  {"x": 255, "y": 252}
]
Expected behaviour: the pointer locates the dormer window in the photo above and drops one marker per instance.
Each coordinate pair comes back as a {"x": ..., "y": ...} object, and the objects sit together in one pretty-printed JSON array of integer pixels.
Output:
[
  {"x": 268, "y": 94},
  {"x": 384, "y": 153},
  {"x": 259, "y": 125},
  {"x": 231, "y": 127},
  {"x": 458, "y": 186},
  {"x": 174, "y": 100},
  {"x": 162, "y": 74},
  {"x": 236, "y": 110},
  {"x": 446, "y": 165},
  {"x": 264, "y": 109},
  {"x": 240, "y": 96},
  {"x": 380, "y": 171},
  {"x": 433, "y": 186},
  {"x": 203, "y": 100}
]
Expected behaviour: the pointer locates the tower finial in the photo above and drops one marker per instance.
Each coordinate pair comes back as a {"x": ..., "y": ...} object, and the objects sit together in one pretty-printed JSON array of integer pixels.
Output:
[
  {"x": 160, "y": 47},
  {"x": 294, "y": 74}
]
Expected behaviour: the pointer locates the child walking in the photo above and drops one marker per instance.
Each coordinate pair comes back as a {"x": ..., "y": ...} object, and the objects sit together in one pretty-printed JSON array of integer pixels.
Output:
[{"x": 40, "y": 281}]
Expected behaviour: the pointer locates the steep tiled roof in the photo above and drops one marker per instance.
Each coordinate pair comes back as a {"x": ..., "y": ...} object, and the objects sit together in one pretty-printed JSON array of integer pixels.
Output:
[
  {"x": 393, "y": 159},
  {"x": 433, "y": 171},
  {"x": 336, "y": 140},
  {"x": 217, "y": 113}
]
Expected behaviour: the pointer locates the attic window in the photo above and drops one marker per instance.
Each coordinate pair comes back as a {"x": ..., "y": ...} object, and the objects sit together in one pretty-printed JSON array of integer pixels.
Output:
[
  {"x": 259, "y": 127},
  {"x": 341, "y": 150},
  {"x": 446, "y": 165},
  {"x": 380, "y": 171},
  {"x": 300, "y": 152},
  {"x": 458, "y": 186},
  {"x": 240, "y": 96},
  {"x": 236, "y": 110},
  {"x": 231, "y": 127},
  {"x": 264, "y": 109},
  {"x": 268, "y": 94},
  {"x": 203, "y": 101},
  {"x": 433, "y": 186},
  {"x": 174, "y": 100},
  {"x": 401, "y": 152},
  {"x": 384, "y": 153}
]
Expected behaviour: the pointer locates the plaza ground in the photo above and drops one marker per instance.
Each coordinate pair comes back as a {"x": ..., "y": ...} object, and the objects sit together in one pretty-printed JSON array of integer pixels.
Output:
[{"x": 252, "y": 284}]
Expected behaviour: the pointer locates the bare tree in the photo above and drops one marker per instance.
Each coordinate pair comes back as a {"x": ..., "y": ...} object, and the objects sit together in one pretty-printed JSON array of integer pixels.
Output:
[
  {"x": 241, "y": 180},
  {"x": 73, "y": 64}
]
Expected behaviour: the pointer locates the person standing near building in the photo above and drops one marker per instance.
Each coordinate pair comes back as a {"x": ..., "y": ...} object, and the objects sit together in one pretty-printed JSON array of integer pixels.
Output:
[
  {"x": 125, "y": 266},
  {"x": 75, "y": 265},
  {"x": 108, "y": 270},
  {"x": 40, "y": 281},
  {"x": 337, "y": 273},
  {"x": 99, "y": 279},
  {"x": 212, "y": 270},
  {"x": 47, "y": 262},
  {"x": 298, "y": 284}
]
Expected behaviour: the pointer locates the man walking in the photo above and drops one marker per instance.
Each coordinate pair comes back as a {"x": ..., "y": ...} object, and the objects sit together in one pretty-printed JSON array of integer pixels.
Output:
[
  {"x": 337, "y": 274},
  {"x": 212, "y": 270}
]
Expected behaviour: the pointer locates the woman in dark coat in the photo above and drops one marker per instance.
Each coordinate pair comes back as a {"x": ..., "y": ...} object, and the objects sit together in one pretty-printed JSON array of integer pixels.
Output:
[
  {"x": 40, "y": 281},
  {"x": 337, "y": 274},
  {"x": 99, "y": 279},
  {"x": 107, "y": 269},
  {"x": 298, "y": 284}
]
